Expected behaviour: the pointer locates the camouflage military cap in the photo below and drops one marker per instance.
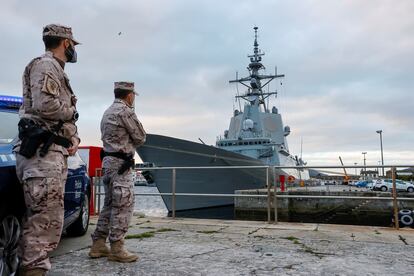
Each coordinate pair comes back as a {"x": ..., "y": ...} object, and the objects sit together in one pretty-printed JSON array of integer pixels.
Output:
[
  {"x": 125, "y": 85},
  {"x": 59, "y": 31}
]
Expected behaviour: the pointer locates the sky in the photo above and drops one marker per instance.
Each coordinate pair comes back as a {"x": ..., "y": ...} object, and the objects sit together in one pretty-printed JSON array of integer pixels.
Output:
[{"x": 349, "y": 67}]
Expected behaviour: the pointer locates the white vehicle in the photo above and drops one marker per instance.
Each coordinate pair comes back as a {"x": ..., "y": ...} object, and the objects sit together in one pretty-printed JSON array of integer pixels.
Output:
[
  {"x": 386, "y": 185},
  {"x": 371, "y": 183}
]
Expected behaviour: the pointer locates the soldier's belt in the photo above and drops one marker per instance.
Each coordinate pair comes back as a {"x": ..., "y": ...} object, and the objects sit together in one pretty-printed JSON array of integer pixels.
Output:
[
  {"x": 129, "y": 161},
  {"x": 33, "y": 135}
]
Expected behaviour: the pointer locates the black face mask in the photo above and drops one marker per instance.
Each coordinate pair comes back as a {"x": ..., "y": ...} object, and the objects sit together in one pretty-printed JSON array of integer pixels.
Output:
[{"x": 70, "y": 54}]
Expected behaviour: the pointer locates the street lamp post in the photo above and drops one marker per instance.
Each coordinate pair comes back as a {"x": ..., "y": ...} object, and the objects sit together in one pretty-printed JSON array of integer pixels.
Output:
[
  {"x": 382, "y": 153},
  {"x": 378, "y": 170},
  {"x": 365, "y": 165}
]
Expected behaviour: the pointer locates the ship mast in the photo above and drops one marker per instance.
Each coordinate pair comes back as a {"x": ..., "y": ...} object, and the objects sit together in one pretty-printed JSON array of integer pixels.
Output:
[{"x": 253, "y": 82}]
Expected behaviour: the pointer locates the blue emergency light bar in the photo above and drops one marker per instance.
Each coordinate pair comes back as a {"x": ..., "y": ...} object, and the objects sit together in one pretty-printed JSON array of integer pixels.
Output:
[{"x": 10, "y": 102}]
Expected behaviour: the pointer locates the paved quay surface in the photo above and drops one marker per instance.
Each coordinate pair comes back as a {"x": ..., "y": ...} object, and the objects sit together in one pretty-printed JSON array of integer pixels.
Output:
[{"x": 221, "y": 247}]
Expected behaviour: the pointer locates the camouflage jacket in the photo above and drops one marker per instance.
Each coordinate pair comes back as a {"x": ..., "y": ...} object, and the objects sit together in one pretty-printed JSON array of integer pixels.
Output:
[
  {"x": 121, "y": 130},
  {"x": 48, "y": 98}
]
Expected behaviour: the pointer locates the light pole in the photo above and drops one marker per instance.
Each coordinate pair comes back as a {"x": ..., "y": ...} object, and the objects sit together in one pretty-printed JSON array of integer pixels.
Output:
[
  {"x": 365, "y": 169},
  {"x": 356, "y": 169},
  {"x": 382, "y": 153},
  {"x": 378, "y": 171}
]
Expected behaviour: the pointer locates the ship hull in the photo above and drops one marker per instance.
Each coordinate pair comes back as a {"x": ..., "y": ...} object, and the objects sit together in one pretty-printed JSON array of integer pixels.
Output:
[{"x": 166, "y": 151}]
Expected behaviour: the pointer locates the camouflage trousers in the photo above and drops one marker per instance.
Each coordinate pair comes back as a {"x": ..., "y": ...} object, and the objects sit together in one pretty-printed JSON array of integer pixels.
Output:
[
  {"x": 118, "y": 206},
  {"x": 43, "y": 180}
]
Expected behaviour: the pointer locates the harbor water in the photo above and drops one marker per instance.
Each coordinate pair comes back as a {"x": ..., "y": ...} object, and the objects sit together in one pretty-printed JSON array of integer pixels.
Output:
[
  {"x": 153, "y": 206},
  {"x": 150, "y": 206}
]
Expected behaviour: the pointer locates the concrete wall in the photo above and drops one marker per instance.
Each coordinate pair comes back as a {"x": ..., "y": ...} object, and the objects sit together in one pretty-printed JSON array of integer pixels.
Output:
[{"x": 342, "y": 211}]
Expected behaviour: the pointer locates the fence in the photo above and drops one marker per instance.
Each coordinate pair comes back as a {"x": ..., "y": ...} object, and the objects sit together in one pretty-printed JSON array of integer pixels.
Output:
[{"x": 272, "y": 182}]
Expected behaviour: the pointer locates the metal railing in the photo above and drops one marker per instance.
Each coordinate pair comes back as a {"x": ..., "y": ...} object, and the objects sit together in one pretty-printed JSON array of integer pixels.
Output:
[{"x": 271, "y": 181}]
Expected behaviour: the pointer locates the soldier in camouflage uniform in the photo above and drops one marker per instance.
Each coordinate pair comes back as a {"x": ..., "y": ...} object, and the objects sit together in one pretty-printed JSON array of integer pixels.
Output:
[
  {"x": 47, "y": 100},
  {"x": 121, "y": 133}
]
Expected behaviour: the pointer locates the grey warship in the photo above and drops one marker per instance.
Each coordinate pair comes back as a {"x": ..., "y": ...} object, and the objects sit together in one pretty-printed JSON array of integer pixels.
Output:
[{"x": 256, "y": 137}]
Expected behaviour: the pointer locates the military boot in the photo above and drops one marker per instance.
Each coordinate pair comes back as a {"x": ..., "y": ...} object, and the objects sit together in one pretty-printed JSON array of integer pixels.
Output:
[
  {"x": 34, "y": 272},
  {"x": 99, "y": 249},
  {"x": 120, "y": 254}
]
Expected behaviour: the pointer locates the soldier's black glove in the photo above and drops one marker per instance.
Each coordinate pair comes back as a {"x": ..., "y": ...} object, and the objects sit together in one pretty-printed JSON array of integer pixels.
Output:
[{"x": 126, "y": 165}]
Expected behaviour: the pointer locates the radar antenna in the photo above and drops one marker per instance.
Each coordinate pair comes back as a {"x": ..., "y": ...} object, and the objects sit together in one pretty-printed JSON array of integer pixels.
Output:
[{"x": 254, "y": 81}]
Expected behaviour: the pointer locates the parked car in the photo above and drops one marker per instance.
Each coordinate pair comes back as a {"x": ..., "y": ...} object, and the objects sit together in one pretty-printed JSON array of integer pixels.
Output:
[
  {"x": 12, "y": 206},
  {"x": 371, "y": 183},
  {"x": 365, "y": 183},
  {"x": 386, "y": 185},
  {"x": 330, "y": 182}
]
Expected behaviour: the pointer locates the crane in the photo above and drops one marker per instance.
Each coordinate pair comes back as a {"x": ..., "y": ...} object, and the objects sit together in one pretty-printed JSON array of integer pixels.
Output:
[{"x": 346, "y": 177}]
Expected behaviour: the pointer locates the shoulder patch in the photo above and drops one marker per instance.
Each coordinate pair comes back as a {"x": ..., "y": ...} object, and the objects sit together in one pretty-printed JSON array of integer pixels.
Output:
[{"x": 50, "y": 85}]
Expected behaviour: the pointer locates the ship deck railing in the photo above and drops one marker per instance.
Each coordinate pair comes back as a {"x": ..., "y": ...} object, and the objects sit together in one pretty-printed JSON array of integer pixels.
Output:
[{"x": 272, "y": 184}]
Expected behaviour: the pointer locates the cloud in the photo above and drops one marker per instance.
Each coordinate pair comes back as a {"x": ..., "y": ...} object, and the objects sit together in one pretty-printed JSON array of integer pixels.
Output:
[{"x": 348, "y": 66}]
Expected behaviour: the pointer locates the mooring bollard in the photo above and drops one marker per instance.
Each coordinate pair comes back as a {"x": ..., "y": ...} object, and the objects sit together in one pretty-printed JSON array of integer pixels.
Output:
[{"x": 282, "y": 182}]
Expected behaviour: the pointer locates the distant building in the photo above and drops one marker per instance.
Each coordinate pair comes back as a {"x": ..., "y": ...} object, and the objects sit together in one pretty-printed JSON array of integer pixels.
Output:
[
  {"x": 407, "y": 174},
  {"x": 369, "y": 174},
  {"x": 333, "y": 178}
]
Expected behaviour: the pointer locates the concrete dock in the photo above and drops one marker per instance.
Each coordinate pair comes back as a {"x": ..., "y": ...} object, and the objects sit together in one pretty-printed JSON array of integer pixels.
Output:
[
  {"x": 366, "y": 209},
  {"x": 221, "y": 247}
]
